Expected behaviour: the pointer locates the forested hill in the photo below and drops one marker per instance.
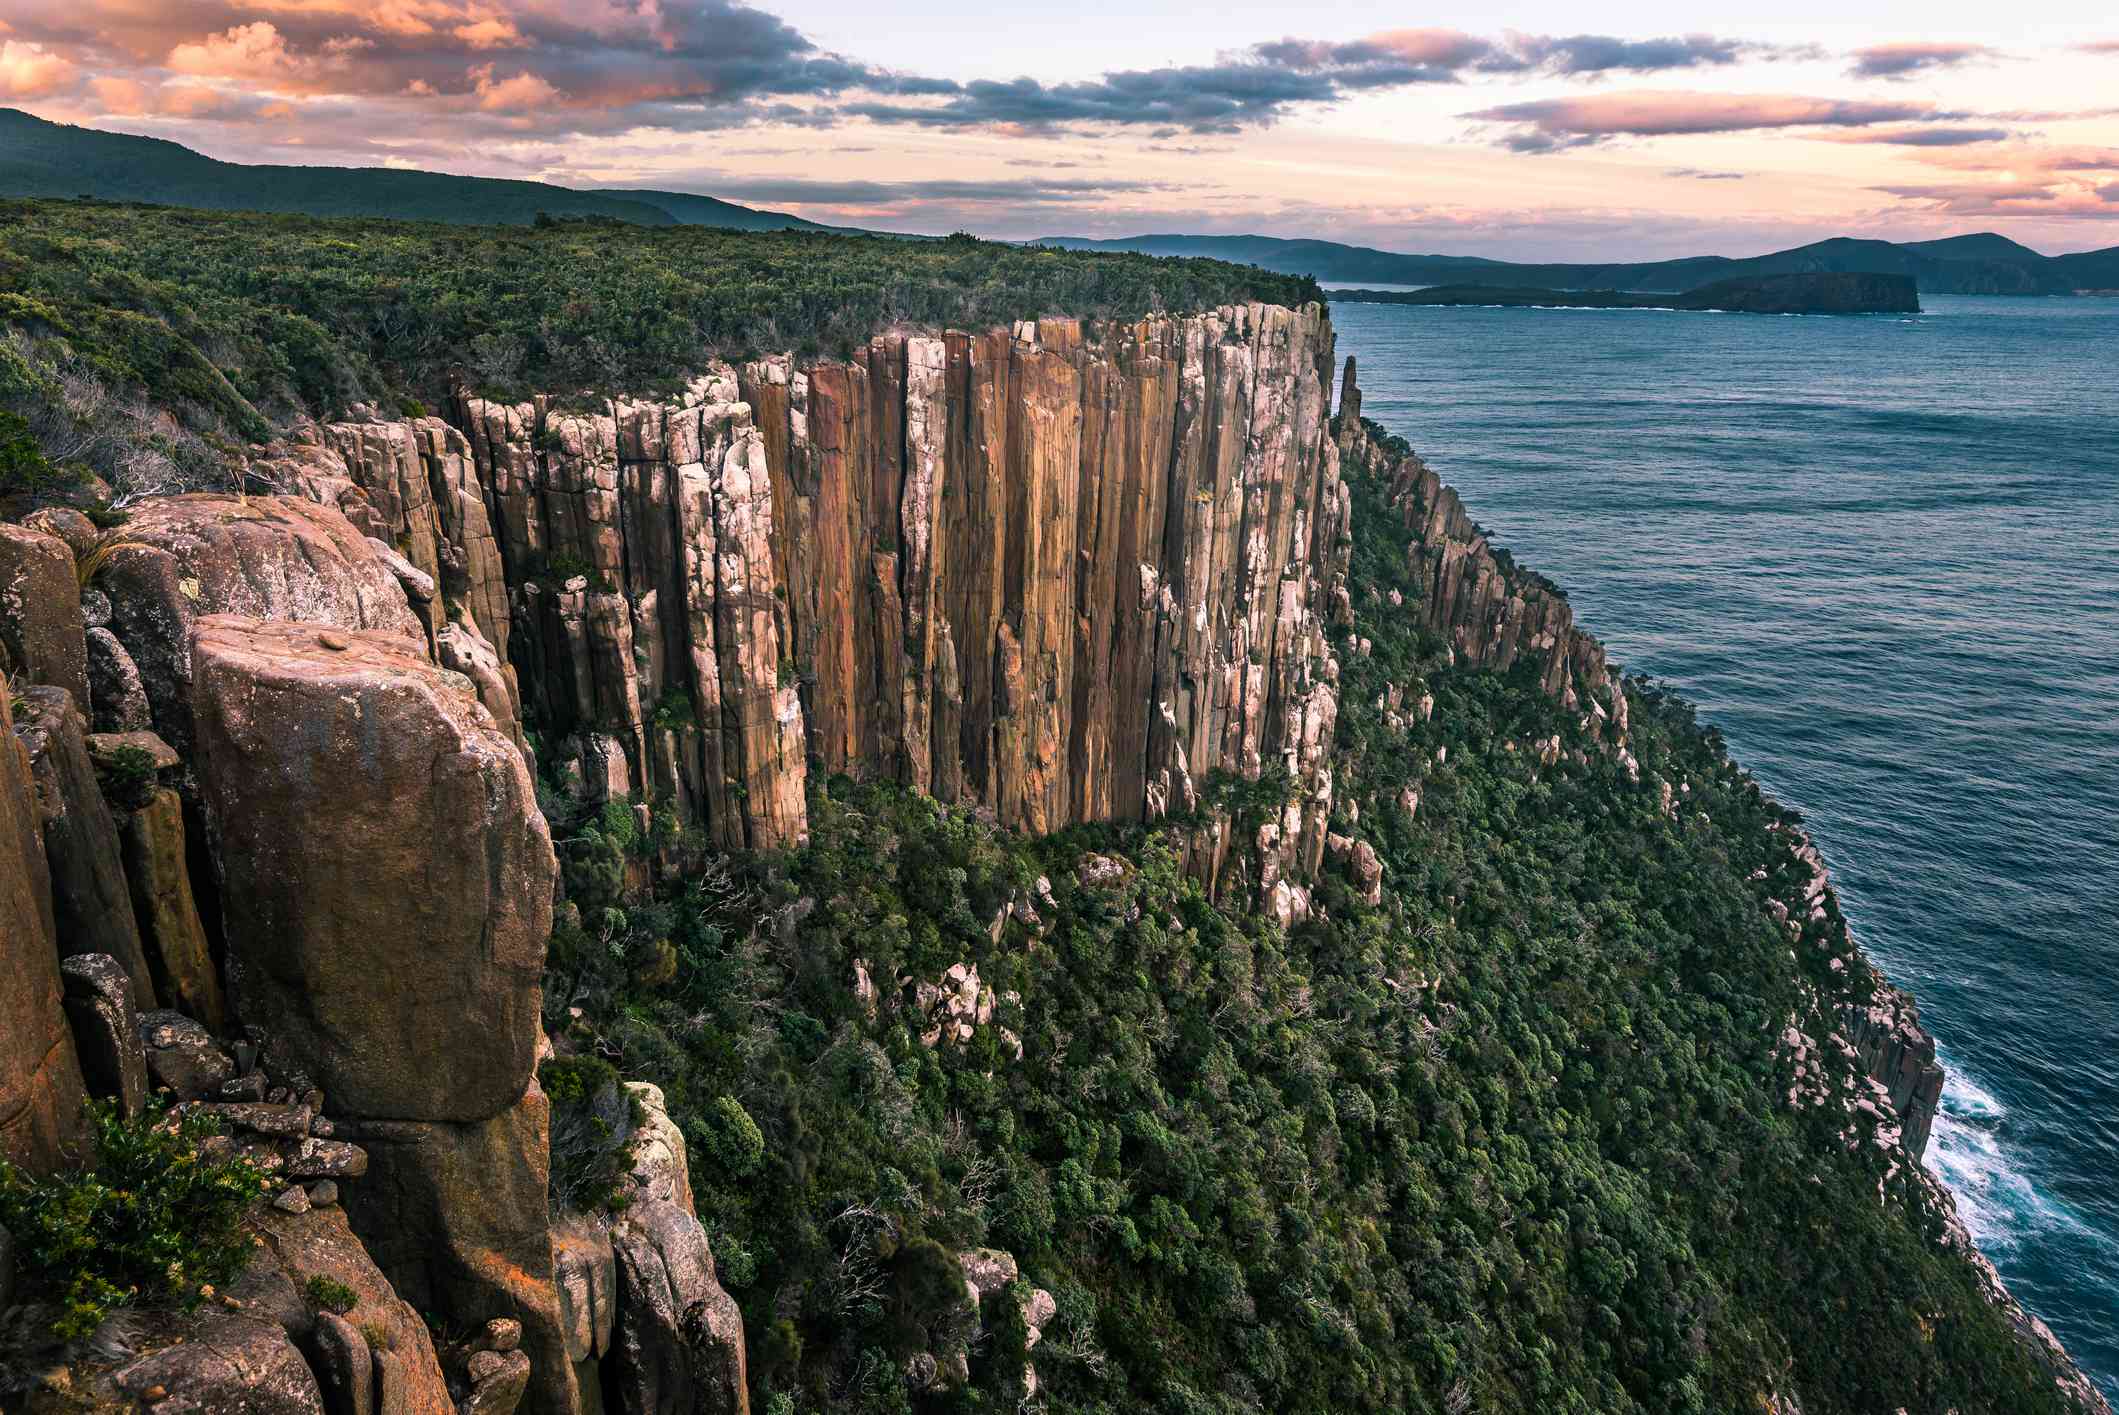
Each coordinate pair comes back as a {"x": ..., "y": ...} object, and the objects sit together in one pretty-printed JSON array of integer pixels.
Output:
[
  {"x": 44, "y": 159},
  {"x": 1983, "y": 264}
]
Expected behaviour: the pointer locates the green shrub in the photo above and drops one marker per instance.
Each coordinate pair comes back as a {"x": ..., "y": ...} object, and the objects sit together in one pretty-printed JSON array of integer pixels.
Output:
[
  {"x": 592, "y": 1125},
  {"x": 128, "y": 777},
  {"x": 327, "y": 1294},
  {"x": 727, "y": 1136},
  {"x": 155, "y": 1219},
  {"x": 23, "y": 468}
]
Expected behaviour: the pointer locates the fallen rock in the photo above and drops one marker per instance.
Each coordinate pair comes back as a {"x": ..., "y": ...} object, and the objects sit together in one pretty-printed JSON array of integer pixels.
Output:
[
  {"x": 387, "y": 878},
  {"x": 232, "y": 1365},
  {"x": 40, "y": 610},
  {"x": 106, "y": 1036},
  {"x": 90, "y": 901},
  {"x": 498, "y": 1384},
  {"x": 182, "y": 1057},
  {"x": 345, "y": 1370}
]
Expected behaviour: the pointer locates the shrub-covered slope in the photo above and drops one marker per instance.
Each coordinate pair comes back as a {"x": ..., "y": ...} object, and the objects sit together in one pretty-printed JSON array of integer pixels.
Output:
[
  {"x": 113, "y": 315},
  {"x": 1518, "y": 1137}
]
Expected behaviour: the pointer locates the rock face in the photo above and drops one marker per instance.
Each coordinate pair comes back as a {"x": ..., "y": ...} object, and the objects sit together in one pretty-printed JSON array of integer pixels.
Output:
[
  {"x": 40, "y": 611},
  {"x": 1490, "y": 611},
  {"x": 1060, "y": 572},
  {"x": 40, "y": 1079},
  {"x": 91, "y": 902},
  {"x": 267, "y": 557},
  {"x": 106, "y": 1036},
  {"x": 386, "y": 877},
  {"x": 159, "y": 876}
]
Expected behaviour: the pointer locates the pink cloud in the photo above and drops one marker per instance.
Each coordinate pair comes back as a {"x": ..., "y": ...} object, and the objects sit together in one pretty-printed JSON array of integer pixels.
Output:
[
  {"x": 1552, "y": 123},
  {"x": 1903, "y": 60},
  {"x": 31, "y": 70}
]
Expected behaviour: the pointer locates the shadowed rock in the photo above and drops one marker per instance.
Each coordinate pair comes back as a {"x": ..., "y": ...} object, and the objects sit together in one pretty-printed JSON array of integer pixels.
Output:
[
  {"x": 90, "y": 901},
  {"x": 106, "y": 1036},
  {"x": 40, "y": 1080}
]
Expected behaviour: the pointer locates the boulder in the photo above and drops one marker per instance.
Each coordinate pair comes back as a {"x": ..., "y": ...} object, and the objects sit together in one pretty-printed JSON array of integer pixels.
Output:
[
  {"x": 40, "y": 610},
  {"x": 115, "y": 690},
  {"x": 317, "y": 1243},
  {"x": 159, "y": 876},
  {"x": 231, "y": 1365},
  {"x": 90, "y": 901},
  {"x": 182, "y": 1057},
  {"x": 386, "y": 874},
  {"x": 106, "y": 1036},
  {"x": 71, "y": 526},
  {"x": 679, "y": 1347},
  {"x": 497, "y": 1384},
  {"x": 40, "y": 1080},
  {"x": 265, "y": 557}
]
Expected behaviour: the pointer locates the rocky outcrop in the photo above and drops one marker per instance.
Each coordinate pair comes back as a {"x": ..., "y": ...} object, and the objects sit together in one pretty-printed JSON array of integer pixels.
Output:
[
  {"x": 386, "y": 877},
  {"x": 40, "y": 1078},
  {"x": 40, "y": 612},
  {"x": 1898, "y": 1054},
  {"x": 99, "y": 1005},
  {"x": 1489, "y": 611}
]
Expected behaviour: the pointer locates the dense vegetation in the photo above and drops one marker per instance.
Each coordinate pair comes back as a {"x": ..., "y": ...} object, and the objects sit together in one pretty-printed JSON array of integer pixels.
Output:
[
  {"x": 1514, "y": 1140},
  {"x": 111, "y": 314},
  {"x": 154, "y": 1219}
]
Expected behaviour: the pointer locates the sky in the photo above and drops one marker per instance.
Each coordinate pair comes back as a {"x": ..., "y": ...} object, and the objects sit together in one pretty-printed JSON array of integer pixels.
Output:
[{"x": 1638, "y": 131}]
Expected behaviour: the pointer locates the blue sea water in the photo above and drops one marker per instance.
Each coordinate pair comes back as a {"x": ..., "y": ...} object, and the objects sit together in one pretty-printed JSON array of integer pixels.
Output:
[{"x": 1883, "y": 555}]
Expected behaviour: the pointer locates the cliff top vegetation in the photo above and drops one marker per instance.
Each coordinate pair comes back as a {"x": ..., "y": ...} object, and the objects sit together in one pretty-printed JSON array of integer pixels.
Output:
[{"x": 234, "y": 321}]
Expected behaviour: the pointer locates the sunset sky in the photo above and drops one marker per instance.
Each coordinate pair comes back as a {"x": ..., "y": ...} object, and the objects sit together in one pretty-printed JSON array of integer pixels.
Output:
[{"x": 1651, "y": 132}]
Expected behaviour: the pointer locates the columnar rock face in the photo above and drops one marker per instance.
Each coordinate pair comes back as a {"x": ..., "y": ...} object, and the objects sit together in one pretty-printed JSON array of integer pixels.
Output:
[
  {"x": 40, "y": 612},
  {"x": 1898, "y": 1053},
  {"x": 1061, "y": 572},
  {"x": 1491, "y": 612},
  {"x": 40, "y": 1079}
]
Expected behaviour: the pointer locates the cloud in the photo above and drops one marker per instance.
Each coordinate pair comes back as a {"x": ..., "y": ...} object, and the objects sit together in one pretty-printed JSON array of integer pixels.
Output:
[
  {"x": 1551, "y": 124},
  {"x": 1700, "y": 175},
  {"x": 255, "y": 51},
  {"x": 1593, "y": 54},
  {"x": 805, "y": 192},
  {"x": 1903, "y": 60},
  {"x": 31, "y": 71},
  {"x": 2012, "y": 198},
  {"x": 2100, "y": 46},
  {"x": 1926, "y": 137}
]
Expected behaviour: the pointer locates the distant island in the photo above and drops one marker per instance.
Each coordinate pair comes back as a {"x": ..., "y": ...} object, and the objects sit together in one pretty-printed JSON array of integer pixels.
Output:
[
  {"x": 1834, "y": 293},
  {"x": 1982, "y": 263}
]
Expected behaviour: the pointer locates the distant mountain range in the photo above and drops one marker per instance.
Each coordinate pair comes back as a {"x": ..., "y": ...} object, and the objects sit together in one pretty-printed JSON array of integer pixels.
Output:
[
  {"x": 45, "y": 159},
  {"x": 1982, "y": 264}
]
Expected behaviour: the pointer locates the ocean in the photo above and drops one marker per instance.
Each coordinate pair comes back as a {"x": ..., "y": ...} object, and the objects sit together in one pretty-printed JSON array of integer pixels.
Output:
[{"x": 1882, "y": 554}]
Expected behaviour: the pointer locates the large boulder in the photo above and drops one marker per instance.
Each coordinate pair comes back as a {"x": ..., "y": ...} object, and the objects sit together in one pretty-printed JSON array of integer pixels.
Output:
[
  {"x": 91, "y": 903},
  {"x": 40, "y": 611},
  {"x": 230, "y": 1365},
  {"x": 386, "y": 876},
  {"x": 40, "y": 1079},
  {"x": 265, "y": 557}
]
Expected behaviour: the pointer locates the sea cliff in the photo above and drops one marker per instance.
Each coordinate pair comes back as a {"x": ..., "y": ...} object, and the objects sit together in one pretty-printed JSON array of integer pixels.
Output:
[{"x": 1044, "y": 818}]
